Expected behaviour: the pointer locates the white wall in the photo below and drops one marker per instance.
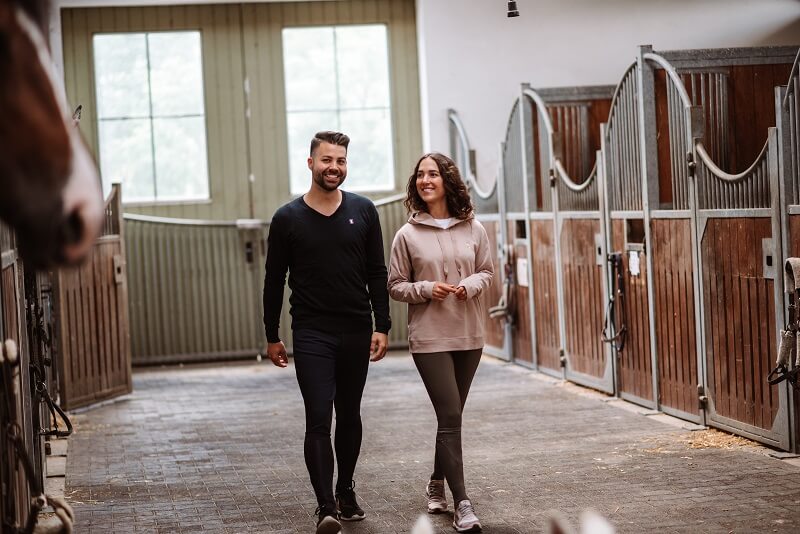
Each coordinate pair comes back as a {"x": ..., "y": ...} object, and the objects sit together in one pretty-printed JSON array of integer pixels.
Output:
[{"x": 473, "y": 58}]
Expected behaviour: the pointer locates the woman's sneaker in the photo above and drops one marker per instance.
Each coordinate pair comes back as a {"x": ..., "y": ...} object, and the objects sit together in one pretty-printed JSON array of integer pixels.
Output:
[
  {"x": 437, "y": 502},
  {"x": 327, "y": 523},
  {"x": 465, "y": 520},
  {"x": 349, "y": 510}
]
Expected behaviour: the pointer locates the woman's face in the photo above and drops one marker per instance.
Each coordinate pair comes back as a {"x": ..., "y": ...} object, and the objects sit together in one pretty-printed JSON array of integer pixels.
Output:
[{"x": 430, "y": 184}]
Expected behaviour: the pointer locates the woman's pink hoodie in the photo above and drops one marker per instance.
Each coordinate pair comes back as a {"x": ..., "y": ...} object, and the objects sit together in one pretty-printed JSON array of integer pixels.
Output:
[{"x": 424, "y": 253}]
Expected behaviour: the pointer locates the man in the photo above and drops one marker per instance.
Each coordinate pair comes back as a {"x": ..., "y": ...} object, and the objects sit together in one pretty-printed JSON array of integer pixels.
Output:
[{"x": 330, "y": 241}]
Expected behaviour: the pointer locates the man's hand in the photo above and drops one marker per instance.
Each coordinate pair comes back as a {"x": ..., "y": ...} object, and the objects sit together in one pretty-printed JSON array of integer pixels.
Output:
[
  {"x": 378, "y": 347},
  {"x": 277, "y": 353},
  {"x": 441, "y": 290},
  {"x": 461, "y": 293}
]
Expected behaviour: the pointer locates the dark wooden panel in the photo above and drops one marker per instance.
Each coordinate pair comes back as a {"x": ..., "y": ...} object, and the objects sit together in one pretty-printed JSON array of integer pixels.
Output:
[
  {"x": 664, "y": 147},
  {"x": 577, "y": 153},
  {"x": 635, "y": 369},
  {"x": 545, "y": 295},
  {"x": 739, "y": 320},
  {"x": 752, "y": 107},
  {"x": 493, "y": 328},
  {"x": 794, "y": 250},
  {"x": 583, "y": 297},
  {"x": 675, "y": 314}
]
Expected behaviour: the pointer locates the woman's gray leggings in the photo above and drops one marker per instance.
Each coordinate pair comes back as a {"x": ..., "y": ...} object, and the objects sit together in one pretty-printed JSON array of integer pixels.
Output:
[{"x": 447, "y": 377}]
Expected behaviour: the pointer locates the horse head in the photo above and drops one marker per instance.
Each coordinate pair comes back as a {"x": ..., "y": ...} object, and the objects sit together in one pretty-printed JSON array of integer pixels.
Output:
[{"x": 49, "y": 186}]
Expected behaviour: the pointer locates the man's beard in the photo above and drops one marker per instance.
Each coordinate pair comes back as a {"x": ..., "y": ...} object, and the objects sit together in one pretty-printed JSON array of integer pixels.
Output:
[{"x": 319, "y": 179}]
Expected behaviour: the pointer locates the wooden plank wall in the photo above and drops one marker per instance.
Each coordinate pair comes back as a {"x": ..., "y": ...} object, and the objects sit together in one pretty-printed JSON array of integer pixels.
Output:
[
  {"x": 494, "y": 332},
  {"x": 578, "y": 157},
  {"x": 635, "y": 365},
  {"x": 675, "y": 314},
  {"x": 243, "y": 41},
  {"x": 94, "y": 338},
  {"x": 545, "y": 297},
  {"x": 584, "y": 301},
  {"x": 739, "y": 320}
]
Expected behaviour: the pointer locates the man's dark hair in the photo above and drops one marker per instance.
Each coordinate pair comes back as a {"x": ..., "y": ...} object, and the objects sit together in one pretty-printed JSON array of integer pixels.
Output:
[{"x": 334, "y": 138}]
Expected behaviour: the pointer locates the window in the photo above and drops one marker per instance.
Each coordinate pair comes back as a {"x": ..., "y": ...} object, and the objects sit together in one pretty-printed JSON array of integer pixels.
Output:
[
  {"x": 151, "y": 115},
  {"x": 337, "y": 78}
]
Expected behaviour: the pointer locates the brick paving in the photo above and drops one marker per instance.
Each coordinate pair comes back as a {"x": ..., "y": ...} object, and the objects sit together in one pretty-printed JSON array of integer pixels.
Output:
[{"x": 219, "y": 449}]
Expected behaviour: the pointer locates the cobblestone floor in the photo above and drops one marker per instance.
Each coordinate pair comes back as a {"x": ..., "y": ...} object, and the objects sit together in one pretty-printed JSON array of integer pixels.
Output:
[{"x": 219, "y": 449}]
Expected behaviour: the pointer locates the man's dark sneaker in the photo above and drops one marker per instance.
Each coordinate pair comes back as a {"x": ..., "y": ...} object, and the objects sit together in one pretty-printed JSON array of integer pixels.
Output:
[
  {"x": 327, "y": 523},
  {"x": 349, "y": 510}
]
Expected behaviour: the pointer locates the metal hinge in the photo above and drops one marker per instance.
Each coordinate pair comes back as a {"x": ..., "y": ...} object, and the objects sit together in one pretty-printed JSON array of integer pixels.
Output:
[
  {"x": 562, "y": 357},
  {"x": 702, "y": 398}
]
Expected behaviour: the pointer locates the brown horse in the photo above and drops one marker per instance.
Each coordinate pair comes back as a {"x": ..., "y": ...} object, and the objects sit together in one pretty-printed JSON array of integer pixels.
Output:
[{"x": 49, "y": 185}]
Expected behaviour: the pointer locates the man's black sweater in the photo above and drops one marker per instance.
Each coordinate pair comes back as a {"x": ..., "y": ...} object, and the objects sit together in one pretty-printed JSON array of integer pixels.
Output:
[{"x": 336, "y": 268}]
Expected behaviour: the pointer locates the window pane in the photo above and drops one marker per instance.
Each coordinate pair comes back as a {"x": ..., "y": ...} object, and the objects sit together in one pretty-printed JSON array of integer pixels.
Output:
[
  {"x": 126, "y": 156},
  {"x": 120, "y": 64},
  {"x": 302, "y": 127},
  {"x": 309, "y": 69},
  {"x": 176, "y": 73},
  {"x": 181, "y": 169},
  {"x": 363, "y": 66},
  {"x": 370, "y": 158}
]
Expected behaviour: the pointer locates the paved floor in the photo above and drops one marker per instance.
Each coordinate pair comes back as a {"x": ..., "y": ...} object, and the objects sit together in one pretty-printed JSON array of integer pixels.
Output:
[{"x": 219, "y": 449}]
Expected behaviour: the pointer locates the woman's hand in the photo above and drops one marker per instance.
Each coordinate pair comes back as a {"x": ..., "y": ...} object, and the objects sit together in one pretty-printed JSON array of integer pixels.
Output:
[
  {"x": 441, "y": 290},
  {"x": 461, "y": 293}
]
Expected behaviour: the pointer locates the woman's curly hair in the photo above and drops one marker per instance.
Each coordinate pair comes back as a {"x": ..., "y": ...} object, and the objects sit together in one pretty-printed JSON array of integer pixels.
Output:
[{"x": 456, "y": 195}]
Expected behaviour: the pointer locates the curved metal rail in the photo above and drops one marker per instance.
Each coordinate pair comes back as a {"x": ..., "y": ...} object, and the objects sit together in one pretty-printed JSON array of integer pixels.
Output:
[
  {"x": 725, "y": 176},
  {"x": 615, "y": 96},
  {"x": 455, "y": 120}
]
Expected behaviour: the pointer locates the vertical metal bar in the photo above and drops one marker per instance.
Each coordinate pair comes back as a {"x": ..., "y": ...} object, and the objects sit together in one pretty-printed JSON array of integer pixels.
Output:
[
  {"x": 526, "y": 140},
  {"x": 673, "y": 148},
  {"x": 501, "y": 207},
  {"x": 648, "y": 159},
  {"x": 783, "y": 183}
]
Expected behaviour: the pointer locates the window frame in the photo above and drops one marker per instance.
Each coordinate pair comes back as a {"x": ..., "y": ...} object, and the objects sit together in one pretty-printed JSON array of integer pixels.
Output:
[
  {"x": 392, "y": 187},
  {"x": 208, "y": 199}
]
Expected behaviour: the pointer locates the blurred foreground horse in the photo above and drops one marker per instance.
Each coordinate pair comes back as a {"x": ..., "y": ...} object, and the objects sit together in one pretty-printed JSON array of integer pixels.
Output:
[{"x": 49, "y": 187}]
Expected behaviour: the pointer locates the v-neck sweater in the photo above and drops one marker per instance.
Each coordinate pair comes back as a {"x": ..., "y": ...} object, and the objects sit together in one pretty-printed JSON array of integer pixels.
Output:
[{"x": 337, "y": 273}]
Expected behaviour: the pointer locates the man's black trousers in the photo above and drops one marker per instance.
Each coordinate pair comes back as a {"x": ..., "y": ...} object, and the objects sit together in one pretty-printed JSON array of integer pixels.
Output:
[{"x": 331, "y": 371}]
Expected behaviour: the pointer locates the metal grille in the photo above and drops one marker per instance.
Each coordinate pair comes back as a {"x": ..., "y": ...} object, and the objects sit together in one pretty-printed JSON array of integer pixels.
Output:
[
  {"x": 622, "y": 150},
  {"x": 678, "y": 135},
  {"x": 751, "y": 191},
  {"x": 512, "y": 163},
  {"x": 585, "y": 200}
]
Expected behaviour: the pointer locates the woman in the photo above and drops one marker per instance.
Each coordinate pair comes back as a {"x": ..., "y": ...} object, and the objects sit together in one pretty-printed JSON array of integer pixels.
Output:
[{"x": 441, "y": 263}]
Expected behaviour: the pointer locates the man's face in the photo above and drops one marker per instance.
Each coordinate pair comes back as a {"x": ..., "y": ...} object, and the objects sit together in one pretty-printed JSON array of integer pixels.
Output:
[{"x": 328, "y": 166}]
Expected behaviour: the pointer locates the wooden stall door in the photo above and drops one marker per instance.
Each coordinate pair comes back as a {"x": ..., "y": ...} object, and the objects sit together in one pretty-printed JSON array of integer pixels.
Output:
[
  {"x": 92, "y": 314},
  {"x": 676, "y": 338},
  {"x": 740, "y": 330},
  {"x": 522, "y": 347},
  {"x": 635, "y": 367},
  {"x": 545, "y": 297},
  {"x": 494, "y": 329},
  {"x": 584, "y": 304}
]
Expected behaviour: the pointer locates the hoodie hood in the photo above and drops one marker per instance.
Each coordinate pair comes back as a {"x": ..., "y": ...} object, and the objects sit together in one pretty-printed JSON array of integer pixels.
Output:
[{"x": 425, "y": 219}]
